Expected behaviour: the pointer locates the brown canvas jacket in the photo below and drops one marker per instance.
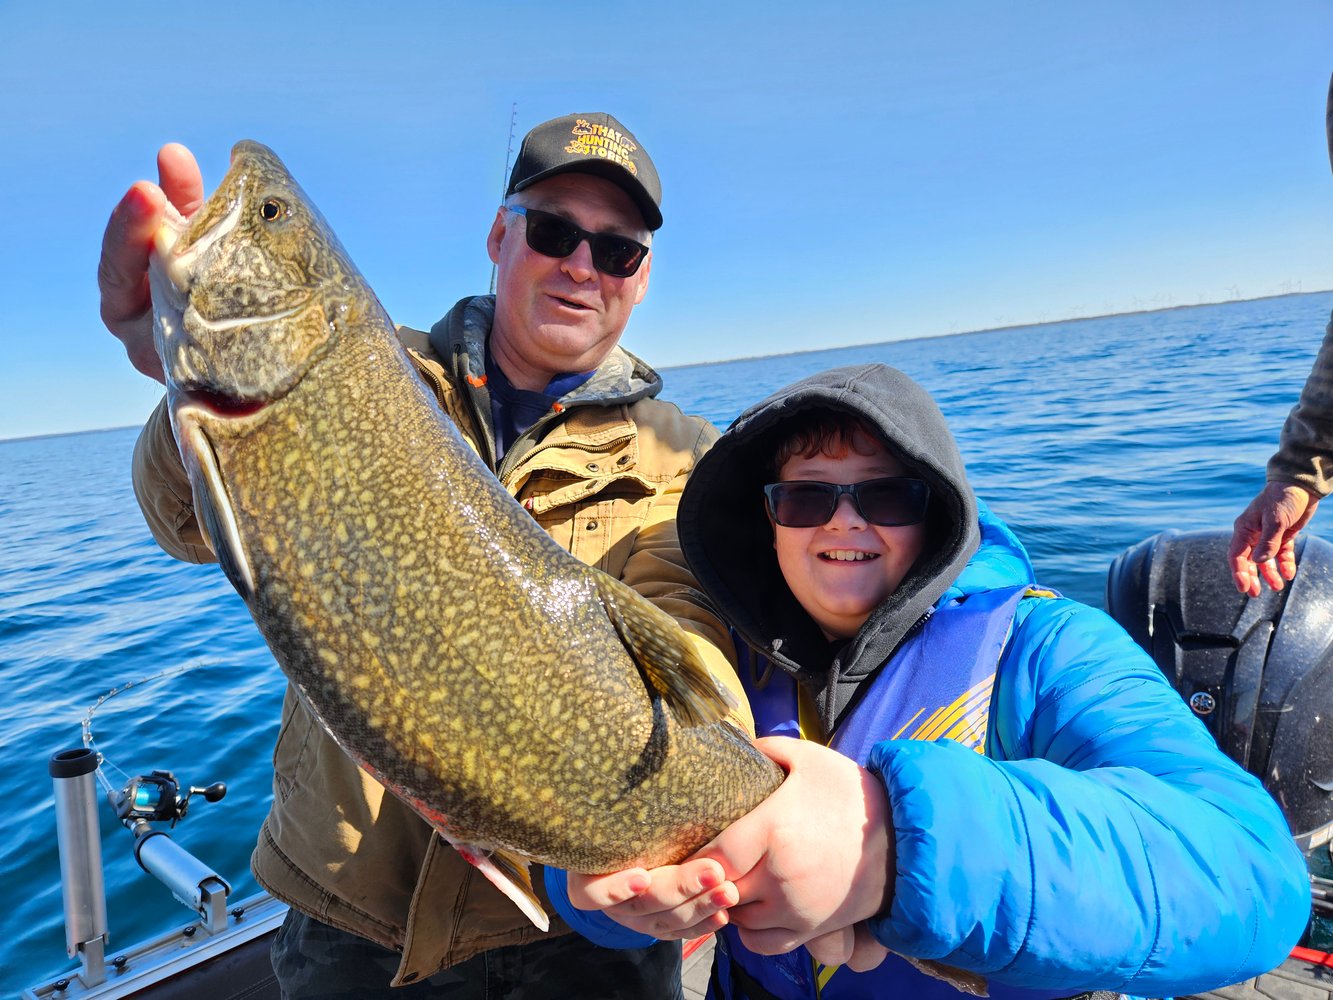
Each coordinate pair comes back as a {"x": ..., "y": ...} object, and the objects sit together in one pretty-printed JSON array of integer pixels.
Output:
[{"x": 604, "y": 480}]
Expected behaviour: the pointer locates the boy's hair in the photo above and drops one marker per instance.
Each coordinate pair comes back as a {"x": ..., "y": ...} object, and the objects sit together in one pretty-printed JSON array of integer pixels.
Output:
[{"x": 818, "y": 432}]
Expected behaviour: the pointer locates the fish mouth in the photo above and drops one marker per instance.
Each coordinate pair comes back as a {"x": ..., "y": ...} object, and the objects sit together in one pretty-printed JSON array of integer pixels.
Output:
[
  {"x": 172, "y": 274},
  {"x": 178, "y": 267},
  {"x": 219, "y": 404}
]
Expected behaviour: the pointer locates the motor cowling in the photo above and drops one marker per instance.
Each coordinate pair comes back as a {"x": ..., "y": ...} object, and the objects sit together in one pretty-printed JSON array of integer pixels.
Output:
[{"x": 1257, "y": 671}]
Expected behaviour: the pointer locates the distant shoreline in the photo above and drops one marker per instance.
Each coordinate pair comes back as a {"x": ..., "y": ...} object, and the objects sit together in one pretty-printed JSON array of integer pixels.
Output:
[
  {"x": 991, "y": 329},
  {"x": 66, "y": 434},
  {"x": 838, "y": 347}
]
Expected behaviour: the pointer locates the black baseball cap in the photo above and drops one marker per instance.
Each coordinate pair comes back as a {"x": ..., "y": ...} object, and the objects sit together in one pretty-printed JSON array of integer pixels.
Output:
[{"x": 591, "y": 144}]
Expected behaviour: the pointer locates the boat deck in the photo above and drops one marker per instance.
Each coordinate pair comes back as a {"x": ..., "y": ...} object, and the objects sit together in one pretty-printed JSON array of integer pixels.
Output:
[
  {"x": 182, "y": 965},
  {"x": 697, "y": 966}
]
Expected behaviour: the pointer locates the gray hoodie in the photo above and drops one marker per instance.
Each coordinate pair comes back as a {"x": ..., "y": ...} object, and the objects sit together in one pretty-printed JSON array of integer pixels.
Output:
[{"x": 728, "y": 541}]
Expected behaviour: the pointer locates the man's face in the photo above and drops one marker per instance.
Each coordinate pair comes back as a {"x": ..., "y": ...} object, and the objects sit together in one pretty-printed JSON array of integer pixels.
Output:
[
  {"x": 841, "y": 571},
  {"x": 556, "y": 315}
]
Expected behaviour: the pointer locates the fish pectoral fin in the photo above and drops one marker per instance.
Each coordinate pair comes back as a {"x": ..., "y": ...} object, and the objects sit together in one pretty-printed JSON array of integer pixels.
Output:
[
  {"x": 509, "y": 873},
  {"x": 664, "y": 655},
  {"x": 216, "y": 515},
  {"x": 971, "y": 983}
]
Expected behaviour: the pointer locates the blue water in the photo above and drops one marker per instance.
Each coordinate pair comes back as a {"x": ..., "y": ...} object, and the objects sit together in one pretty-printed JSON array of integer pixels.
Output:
[{"x": 1086, "y": 436}]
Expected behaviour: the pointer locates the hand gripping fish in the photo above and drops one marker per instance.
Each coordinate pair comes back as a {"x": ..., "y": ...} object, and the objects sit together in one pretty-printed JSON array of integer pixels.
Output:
[{"x": 528, "y": 706}]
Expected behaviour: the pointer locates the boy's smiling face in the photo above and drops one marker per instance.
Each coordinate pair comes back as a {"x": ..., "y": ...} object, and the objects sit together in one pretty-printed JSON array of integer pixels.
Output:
[{"x": 841, "y": 571}]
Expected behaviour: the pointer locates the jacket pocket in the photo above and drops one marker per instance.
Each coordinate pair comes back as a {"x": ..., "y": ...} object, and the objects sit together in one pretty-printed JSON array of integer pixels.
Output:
[
  {"x": 291, "y": 752},
  {"x": 602, "y": 530}
]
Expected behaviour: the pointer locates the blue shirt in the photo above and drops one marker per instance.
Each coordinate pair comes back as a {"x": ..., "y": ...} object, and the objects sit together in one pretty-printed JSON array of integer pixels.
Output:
[{"x": 514, "y": 410}]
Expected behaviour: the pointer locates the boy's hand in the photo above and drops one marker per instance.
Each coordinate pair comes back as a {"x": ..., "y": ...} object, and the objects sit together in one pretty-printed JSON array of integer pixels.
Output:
[
  {"x": 805, "y": 865},
  {"x": 854, "y": 947},
  {"x": 812, "y": 859},
  {"x": 676, "y": 901}
]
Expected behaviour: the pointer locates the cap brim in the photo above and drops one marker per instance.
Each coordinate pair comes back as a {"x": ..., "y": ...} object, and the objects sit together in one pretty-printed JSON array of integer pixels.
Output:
[{"x": 617, "y": 175}]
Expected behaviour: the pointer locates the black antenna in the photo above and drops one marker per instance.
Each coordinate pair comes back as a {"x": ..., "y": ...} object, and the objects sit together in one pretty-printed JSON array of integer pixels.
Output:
[{"x": 504, "y": 181}]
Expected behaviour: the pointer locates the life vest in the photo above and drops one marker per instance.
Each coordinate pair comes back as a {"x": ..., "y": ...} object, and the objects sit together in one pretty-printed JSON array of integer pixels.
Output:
[{"x": 937, "y": 685}]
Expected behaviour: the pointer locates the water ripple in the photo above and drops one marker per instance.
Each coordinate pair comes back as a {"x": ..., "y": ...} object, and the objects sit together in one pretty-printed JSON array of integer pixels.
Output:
[{"x": 1087, "y": 436}]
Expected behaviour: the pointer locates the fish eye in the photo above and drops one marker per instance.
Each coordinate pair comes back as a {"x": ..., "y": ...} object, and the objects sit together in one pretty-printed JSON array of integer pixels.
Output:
[{"x": 272, "y": 209}]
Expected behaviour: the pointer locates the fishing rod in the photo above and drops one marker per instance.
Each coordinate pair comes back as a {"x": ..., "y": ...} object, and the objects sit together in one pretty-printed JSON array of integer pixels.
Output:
[
  {"x": 504, "y": 181},
  {"x": 145, "y": 798}
]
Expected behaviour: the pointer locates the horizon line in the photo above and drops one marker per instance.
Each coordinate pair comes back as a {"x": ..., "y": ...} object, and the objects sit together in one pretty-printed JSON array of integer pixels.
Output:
[
  {"x": 816, "y": 350},
  {"x": 992, "y": 329}
]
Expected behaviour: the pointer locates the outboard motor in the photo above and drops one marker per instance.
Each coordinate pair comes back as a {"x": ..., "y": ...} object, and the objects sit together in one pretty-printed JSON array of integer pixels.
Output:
[{"x": 1257, "y": 671}]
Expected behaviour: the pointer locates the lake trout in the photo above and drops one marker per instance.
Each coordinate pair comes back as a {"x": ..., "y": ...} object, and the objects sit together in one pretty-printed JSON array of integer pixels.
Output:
[{"x": 528, "y": 706}]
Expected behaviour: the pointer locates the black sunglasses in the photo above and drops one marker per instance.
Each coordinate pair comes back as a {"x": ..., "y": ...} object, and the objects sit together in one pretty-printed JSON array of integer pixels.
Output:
[
  {"x": 888, "y": 502},
  {"x": 554, "y": 236}
]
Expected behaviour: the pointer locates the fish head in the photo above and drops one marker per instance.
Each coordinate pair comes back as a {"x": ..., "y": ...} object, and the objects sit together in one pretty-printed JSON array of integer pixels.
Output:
[
  {"x": 249, "y": 294},
  {"x": 249, "y": 291}
]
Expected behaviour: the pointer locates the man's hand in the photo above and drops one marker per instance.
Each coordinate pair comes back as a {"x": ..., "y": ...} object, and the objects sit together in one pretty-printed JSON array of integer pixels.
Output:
[
  {"x": 122, "y": 273},
  {"x": 1263, "y": 541},
  {"x": 813, "y": 859}
]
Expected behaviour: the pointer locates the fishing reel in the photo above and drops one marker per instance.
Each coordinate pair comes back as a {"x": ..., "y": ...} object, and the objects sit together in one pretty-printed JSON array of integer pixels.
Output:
[{"x": 156, "y": 798}]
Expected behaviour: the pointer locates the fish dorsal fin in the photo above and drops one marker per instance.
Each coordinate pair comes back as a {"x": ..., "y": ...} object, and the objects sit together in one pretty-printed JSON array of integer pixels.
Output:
[
  {"x": 664, "y": 655},
  {"x": 213, "y": 506}
]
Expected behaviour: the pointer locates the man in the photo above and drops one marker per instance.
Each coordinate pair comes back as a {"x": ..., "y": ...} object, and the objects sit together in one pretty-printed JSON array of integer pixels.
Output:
[
  {"x": 536, "y": 382},
  {"x": 1263, "y": 540}
]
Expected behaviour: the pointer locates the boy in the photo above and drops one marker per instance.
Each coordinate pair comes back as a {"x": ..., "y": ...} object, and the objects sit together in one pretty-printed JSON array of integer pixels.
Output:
[{"x": 1012, "y": 788}]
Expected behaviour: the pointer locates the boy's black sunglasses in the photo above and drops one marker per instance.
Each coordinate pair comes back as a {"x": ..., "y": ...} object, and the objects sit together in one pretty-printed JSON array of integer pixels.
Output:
[
  {"x": 888, "y": 502},
  {"x": 554, "y": 236}
]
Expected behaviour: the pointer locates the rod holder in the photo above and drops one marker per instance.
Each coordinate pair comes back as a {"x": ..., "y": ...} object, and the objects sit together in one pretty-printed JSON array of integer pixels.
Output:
[
  {"x": 189, "y": 879},
  {"x": 78, "y": 835}
]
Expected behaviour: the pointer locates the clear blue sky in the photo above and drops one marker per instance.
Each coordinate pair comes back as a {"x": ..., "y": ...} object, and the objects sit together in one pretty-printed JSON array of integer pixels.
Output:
[{"x": 834, "y": 173}]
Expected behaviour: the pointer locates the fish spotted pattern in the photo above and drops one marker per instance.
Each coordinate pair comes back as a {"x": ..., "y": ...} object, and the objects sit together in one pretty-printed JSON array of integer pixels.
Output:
[{"x": 527, "y": 705}]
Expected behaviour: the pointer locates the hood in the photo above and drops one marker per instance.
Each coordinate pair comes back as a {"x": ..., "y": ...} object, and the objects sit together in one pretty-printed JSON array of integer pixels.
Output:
[
  {"x": 460, "y": 340},
  {"x": 728, "y": 542}
]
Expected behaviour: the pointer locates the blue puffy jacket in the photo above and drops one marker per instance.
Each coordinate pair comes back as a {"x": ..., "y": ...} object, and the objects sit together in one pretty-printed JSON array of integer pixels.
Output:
[
  {"x": 1103, "y": 841},
  {"x": 1108, "y": 831}
]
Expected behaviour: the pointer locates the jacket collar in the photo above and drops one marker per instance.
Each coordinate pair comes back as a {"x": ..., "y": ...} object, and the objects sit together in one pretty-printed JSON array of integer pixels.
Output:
[{"x": 460, "y": 341}]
